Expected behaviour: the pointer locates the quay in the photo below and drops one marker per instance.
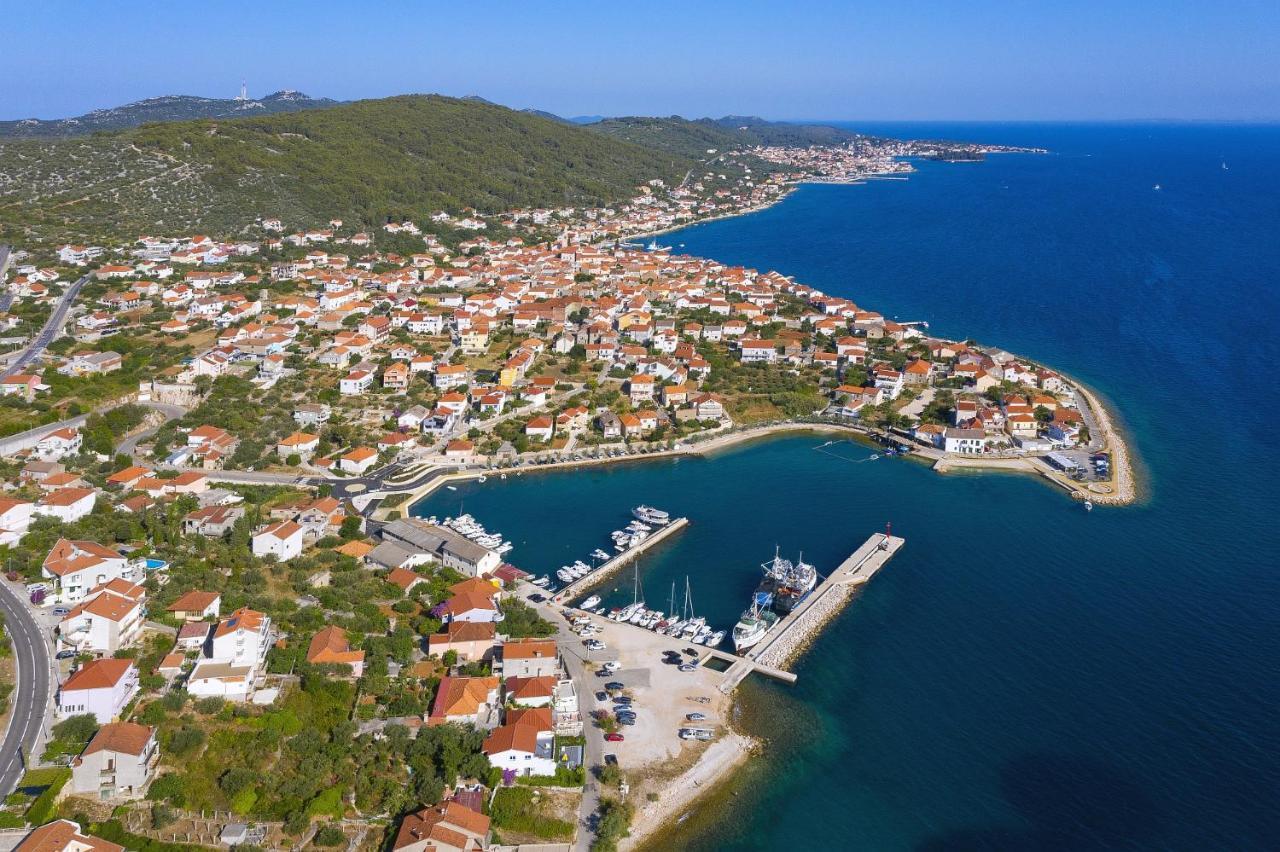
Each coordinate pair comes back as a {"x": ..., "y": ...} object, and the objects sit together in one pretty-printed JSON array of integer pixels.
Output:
[
  {"x": 789, "y": 636},
  {"x": 579, "y": 586}
]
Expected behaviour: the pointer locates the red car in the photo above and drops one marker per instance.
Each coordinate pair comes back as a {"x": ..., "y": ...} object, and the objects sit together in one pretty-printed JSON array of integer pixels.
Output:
[{"x": 614, "y": 738}]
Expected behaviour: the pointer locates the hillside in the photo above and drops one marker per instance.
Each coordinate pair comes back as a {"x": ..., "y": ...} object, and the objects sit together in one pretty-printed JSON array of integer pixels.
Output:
[
  {"x": 405, "y": 156},
  {"x": 168, "y": 108},
  {"x": 695, "y": 138}
]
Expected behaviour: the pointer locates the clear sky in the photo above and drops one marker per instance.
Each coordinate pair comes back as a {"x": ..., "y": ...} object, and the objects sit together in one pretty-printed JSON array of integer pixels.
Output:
[{"x": 981, "y": 59}]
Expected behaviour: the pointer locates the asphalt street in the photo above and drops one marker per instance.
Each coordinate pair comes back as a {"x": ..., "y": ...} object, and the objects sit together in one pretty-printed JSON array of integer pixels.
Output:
[
  {"x": 52, "y": 328},
  {"x": 30, "y": 697}
]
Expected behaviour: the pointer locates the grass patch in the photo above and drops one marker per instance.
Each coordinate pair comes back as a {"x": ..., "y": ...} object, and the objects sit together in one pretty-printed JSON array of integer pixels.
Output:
[
  {"x": 515, "y": 809},
  {"x": 45, "y": 805}
]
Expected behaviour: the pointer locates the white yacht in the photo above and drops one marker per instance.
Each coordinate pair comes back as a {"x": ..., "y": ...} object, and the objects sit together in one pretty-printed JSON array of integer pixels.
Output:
[
  {"x": 648, "y": 514},
  {"x": 591, "y": 602}
]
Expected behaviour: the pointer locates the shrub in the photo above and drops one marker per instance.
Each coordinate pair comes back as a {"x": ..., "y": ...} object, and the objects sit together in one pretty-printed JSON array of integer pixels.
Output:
[
  {"x": 514, "y": 808},
  {"x": 45, "y": 805},
  {"x": 168, "y": 788},
  {"x": 329, "y": 835}
]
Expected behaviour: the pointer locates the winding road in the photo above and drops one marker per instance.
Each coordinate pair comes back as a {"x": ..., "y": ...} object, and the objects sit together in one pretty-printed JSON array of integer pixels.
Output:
[
  {"x": 30, "y": 697},
  {"x": 52, "y": 328}
]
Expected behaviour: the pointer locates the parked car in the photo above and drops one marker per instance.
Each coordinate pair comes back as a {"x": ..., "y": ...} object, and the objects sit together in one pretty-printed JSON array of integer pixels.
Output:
[
  {"x": 614, "y": 738},
  {"x": 611, "y": 759},
  {"x": 62, "y": 611},
  {"x": 613, "y": 684},
  {"x": 65, "y": 654},
  {"x": 621, "y": 699},
  {"x": 602, "y": 696},
  {"x": 688, "y": 667}
]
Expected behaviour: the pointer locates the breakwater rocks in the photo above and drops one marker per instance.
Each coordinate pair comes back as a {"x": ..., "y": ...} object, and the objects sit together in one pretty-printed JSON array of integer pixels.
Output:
[{"x": 792, "y": 644}]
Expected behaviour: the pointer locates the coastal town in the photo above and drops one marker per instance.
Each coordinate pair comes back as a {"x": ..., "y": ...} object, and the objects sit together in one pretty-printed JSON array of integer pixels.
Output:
[{"x": 212, "y": 449}]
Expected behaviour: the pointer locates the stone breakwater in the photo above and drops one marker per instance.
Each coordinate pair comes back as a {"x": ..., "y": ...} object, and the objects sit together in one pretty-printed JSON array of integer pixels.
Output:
[
  {"x": 788, "y": 647},
  {"x": 794, "y": 633}
]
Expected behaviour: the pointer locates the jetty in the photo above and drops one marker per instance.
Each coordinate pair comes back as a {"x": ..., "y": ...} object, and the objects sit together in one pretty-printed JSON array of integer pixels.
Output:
[
  {"x": 791, "y": 634},
  {"x": 580, "y": 585}
]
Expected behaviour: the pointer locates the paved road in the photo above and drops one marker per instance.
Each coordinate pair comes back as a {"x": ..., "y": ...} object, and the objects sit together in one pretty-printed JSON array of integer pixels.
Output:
[
  {"x": 129, "y": 445},
  {"x": 6, "y": 296},
  {"x": 51, "y": 329},
  {"x": 30, "y": 698},
  {"x": 581, "y": 670}
]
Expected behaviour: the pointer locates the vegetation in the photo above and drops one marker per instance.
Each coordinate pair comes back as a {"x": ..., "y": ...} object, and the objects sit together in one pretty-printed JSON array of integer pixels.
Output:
[
  {"x": 170, "y": 108},
  {"x": 401, "y": 157},
  {"x": 694, "y": 138},
  {"x": 45, "y": 805},
  {"x": 516, "y": 809},
  {"x": 613, "y": 823}
]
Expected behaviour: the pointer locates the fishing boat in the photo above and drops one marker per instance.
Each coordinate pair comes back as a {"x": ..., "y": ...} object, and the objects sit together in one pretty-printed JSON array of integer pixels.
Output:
[
  {"x": 755, "y": 622},
  {"x": 790, "y": 582}
]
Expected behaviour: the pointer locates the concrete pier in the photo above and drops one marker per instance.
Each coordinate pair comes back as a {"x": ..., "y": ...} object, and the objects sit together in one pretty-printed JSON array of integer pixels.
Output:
[
  {"x": 578, "y": 587},
  {"x": 785, "y": 640}
]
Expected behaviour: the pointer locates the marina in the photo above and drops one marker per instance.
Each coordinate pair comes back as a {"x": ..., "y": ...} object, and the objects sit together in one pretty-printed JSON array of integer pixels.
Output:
[{"x": 581, "y": 583}]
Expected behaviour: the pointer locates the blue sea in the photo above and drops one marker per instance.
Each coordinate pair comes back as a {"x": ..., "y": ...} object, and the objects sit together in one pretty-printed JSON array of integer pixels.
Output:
[{"x": 1023, "y": 675}]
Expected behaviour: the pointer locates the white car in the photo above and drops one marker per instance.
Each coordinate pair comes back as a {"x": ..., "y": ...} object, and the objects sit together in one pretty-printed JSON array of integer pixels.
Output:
[{"x": 611, "y": 666}]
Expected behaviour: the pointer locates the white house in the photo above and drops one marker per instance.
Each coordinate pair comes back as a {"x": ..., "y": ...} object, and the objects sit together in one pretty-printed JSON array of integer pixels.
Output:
[
  {"x": 283, "y": 540},
  {"x": 235, "y": 654},
  {"x": 966, "y": 441},
  {"x": 75, "y": 567},
  {"x": 109, "y": 618},
  {"x": 118, "y": 763},
  {"x": 355, "y": 382},
  {"x": 358, "y": 461},
  {"x": 242, "y": 638},
  {"x": 756, "y": 351},
  {"x": 525, "y": 744},
  {"x": 67, "y": 504},
  {"x": 15, "y": 519},
  {"x": 57, "y": 444},
  {"x": 100, "y": 687}
]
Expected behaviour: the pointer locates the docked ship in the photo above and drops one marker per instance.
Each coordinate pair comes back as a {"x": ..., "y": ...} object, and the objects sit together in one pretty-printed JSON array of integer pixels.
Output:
[
  {"x": 791, "y": 582},
  {"x": 650, "y": 515},
  {"x": 756, "y": 621}
]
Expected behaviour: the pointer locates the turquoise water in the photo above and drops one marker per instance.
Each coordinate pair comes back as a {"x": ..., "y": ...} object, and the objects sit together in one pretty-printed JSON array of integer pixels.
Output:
[{"x": 1023, "y": 675}]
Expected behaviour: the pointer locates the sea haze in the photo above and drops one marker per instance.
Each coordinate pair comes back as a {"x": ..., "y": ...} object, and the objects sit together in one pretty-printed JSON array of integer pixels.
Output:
[{"x": 1023, "y": 674}]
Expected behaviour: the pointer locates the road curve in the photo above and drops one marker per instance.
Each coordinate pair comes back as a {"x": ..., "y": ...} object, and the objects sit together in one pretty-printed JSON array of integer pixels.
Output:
[
  {"x": 30, "y": 697},
  {"x": 52, "y": 328}
]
